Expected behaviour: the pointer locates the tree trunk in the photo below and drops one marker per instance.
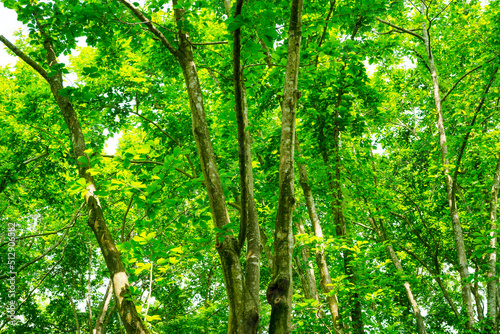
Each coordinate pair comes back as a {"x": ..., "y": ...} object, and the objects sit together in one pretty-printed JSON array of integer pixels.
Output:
[
  {"x": 325, "y": 278},
  {"x": 450, "y": 189},
  {"x": 305, "y": 268},
  {"x": 382, "y": 235},
  {"x": 335, "y": 185},
  {"x": 228, "y": 249},
  {"x": 126, "y": 308},
  {"x": 99, "y": 325},
  {"x": 477, "y": 298},
  {"x": 279, "y": 292},
  {"x": 492, "y": 259},
  {"x": 249, "y": 223}
]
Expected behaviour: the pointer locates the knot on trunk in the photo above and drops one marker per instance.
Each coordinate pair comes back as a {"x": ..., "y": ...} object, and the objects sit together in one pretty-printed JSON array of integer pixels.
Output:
[
  {"x": 91, "y": 205},
  {"x": 276, "y": 292}
]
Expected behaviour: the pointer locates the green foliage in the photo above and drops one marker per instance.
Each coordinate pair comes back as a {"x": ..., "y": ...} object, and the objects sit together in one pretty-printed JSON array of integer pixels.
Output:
[{"x": 366, "y": 109}]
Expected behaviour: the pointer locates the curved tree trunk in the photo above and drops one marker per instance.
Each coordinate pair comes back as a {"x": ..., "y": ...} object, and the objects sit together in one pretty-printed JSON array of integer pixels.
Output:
[
  {"x": 126, "y": 307},
  {"x": 305, "y": 268},
  {"x": 382, "y": 235},
  {"x": 463, "y": 267}
]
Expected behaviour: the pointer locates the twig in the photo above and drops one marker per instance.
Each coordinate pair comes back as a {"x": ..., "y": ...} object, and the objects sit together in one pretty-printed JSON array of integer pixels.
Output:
[{"x": 401, "y": 29}]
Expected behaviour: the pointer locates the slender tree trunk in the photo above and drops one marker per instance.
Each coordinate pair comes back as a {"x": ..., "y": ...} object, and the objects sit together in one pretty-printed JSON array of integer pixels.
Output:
[
  {"x": 249, "y": 223},
  {"x": 126, "y": 308},
  {"x": 335, "y": 185},
  {"x": 325, "y": 278},
  {"x": 99, "y": 325},
  {"x": 463, "y": 268},
  {"x": 228, "y": 249},
  {"x": 279, "y": 292},
  {"x": 382, "y": 235},
  {"x": 305, "y": 268},
  {"x": 75, "y": 313},
  {"x": 341, "y": 227},
  {"x": 492, "y": 259},
  {"x": 477, "y": 298}
]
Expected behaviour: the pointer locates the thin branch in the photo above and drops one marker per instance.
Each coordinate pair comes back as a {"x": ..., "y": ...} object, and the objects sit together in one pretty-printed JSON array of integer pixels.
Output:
[
  {"x": 158, "y": 127},
  {"x": 210, "y": 43},
  {"x": 234, "y": 205},
  {"x": 41, "y": 281},
  {"x": 37, "y": 157},
  {"x": 41, "y": 234},
  {"x": 25, "y": 57},
  {"x": 40, "y": 256},
  {"x": 466, "y": 137},
  {"x": 363, "y": 225},
  {"x": 330, "y": 11},
  {"x": 441, "y": 12},
  {"x": 148, "y": 162},
  {"x": 401, "y": 29},
  {"x": 263, "y": 64},
  {"x": 151, "y": 27},
  {"x": 463, "y": 76},
  {"x": 125, "y": 216}
]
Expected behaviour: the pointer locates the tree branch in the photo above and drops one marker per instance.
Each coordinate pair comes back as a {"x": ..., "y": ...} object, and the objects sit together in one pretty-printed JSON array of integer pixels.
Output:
[
  {"x": 463, "y": 76},
  {"x": 151, "y": 27},
  {"x": 401, "y": 29},
  {"x": 466, "y": 137},
  {"x": 25, "y": 57}
]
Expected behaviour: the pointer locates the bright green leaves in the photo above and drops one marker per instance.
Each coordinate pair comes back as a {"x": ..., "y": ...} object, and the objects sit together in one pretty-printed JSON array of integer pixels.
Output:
[
  {"x": 144, "y": 238},
  {"x": 141, "y": 267},
  {"x": 77, "y": 187},
  {"x": 92, "y": 72}
]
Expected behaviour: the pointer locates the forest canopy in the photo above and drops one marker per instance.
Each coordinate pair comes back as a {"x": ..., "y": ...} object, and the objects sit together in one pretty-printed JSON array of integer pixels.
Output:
[{"x": 282, "y": 167}]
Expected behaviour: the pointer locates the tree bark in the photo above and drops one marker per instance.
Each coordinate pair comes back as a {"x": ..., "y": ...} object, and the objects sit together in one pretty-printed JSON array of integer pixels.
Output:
[
  {"x": 99, "y": 325},
  {"x": 325, "y": 278},
  {"x": 305, "y": 268},
  {"x": 382, "y": 235},
  {"x": 249, "y": 223},
  {"x": 279, "y": 292},
  {"x": 492, "y": 259},
  {"x": 335, "y": 185},
  {"x": 450, "y": 189}
]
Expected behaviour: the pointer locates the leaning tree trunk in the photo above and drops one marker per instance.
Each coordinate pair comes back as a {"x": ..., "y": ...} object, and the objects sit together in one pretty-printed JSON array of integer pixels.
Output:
[
  {"x": 463, "y": 268},
  {"x": 305, "y": 268},
  {"x": 382, "y": 236},
  {"x": 335, "y": 185},
  {"x": 325, "y": 278},
  {"x": 279, "y": 292},
  {"x": 125, "y": 306}
]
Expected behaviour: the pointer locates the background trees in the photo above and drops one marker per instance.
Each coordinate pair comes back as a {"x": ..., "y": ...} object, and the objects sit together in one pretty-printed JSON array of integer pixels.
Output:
[{"x": 387, "y": 177}]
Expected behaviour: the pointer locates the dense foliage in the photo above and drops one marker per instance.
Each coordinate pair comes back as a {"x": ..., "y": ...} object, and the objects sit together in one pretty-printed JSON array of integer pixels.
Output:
[{"x": 390, "y": 136}]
